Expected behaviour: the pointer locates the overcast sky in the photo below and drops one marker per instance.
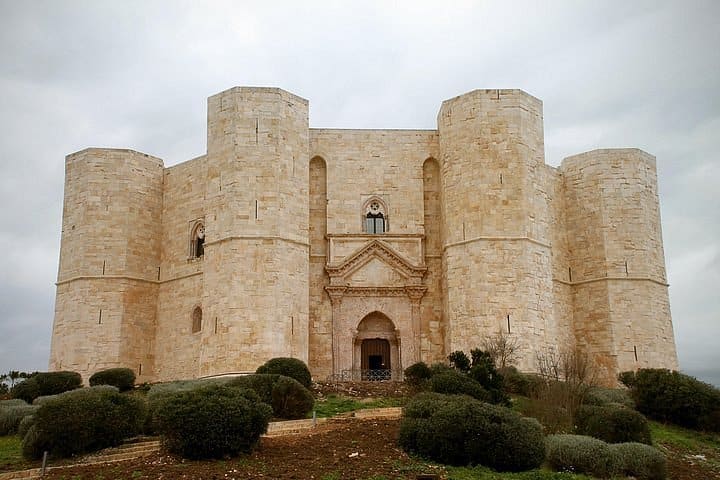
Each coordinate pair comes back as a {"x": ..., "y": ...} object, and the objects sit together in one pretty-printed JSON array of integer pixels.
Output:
[{"x": 136, "y": 74}]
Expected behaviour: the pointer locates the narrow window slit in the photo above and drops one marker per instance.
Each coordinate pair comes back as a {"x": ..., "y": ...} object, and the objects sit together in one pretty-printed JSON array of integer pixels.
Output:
[
  {"x": 508, "y": 322},
  {"x": 635, "y": 350},
  {"x": 100, "y": 317},
  {"x": 256, "y": 209},
  {"x": 570, "y": 273},
  {"x": 103, "y": 271}
]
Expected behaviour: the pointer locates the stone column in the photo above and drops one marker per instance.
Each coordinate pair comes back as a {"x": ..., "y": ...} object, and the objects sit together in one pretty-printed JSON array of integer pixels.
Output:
[
  {"x": 336, "y": 294},
  {"x": 415, "y": 294}
]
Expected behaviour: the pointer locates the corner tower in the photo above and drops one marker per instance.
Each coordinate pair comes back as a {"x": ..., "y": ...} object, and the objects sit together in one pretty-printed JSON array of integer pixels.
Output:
[
  {"x": 109, "y": 257},
  {"x": 497, "y": 257},
  {"x": 256, "y": 247},
  {"x": 617, "y": 264}
]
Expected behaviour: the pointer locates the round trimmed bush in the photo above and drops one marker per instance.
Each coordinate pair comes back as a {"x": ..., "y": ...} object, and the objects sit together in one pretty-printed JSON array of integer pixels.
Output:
[
  {"x": 211, "y": 422},
  {"x": 417, "y": 373},
  {"x": 27, "y": 390},
  {"x": 289, "y": 367},
  {"x": 25, "y": 424},
  {"x": 641, "y": 461},
  {"x": 455, "y": 383},
  {"x": 460, "y": 430},
  {"x": 46, "y": 383},
  {"x": 612, "y": 424},
  {"x": 122, "y": 378},
  {"x": 10, "y": 417},
  {"x": 601, "y": 396},
  {"x": 83, "y": 420},
  {"x": 582, "y": 454},
  {"x": 288, "y": 398}
]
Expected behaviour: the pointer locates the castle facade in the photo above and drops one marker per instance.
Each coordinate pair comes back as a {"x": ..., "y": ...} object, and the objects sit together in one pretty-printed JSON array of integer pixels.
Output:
[{"x": 359, "y": 250}]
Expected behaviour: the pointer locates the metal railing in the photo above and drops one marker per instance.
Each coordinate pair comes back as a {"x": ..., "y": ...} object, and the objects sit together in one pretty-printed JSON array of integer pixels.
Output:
[{"x": 367, "y": 376}]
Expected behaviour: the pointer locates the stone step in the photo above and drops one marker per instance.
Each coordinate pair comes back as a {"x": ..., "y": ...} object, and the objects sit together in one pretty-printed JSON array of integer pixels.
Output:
[{"x": 371, "y": 413}]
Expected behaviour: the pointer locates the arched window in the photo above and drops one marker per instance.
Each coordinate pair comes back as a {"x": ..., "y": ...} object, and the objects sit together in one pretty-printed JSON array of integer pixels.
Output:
[
  {"x": 196, "y": 320},
  {"x": 375, "y": 217},
  {"x": 197, "y": 240}
]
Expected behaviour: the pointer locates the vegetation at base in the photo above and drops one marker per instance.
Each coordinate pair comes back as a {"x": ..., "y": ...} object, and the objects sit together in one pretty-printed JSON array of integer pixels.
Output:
[
  {"x": 477, "y": 378},
  {"x": 336, "y": 404},
  {"x": 417, "y": 374},
  {"x": 583, "y": 454},
  {"x": 491, "y": 435},
  {"x": 46, "y": 383},
  {"x": 289, "y": 367},
  {"x": 602, "y": 396},
  {"x": 683, "y": 438},
  {"x": 10, "y": 450},
  {"x": 483, "y": 473},
  {"x": 83, "y": 420},
  {"x": 287, "y": 397},
  {"x": 12, "y": 415},
  {"x": 612, "y": 424},
  {"x": 122, "y": 378},
  {"x": 212, "y": 421},
  {"x": 671, "y": 396}
]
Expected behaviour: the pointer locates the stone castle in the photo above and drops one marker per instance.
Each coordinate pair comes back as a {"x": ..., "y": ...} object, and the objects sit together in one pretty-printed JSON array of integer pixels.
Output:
[{"x": 359, "y": 250}]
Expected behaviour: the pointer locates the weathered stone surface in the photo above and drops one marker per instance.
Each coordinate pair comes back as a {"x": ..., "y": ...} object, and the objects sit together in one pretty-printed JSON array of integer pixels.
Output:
[{"x": 480, "y": 235}]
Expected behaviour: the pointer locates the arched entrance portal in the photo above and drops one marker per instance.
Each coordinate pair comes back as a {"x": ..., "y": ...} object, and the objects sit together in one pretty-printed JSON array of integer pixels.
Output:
[{"x": 376, "y": 348}]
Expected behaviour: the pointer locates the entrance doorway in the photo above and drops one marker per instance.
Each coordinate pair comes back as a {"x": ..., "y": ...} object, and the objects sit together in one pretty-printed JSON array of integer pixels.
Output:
[{"x": 375, "y": 359}]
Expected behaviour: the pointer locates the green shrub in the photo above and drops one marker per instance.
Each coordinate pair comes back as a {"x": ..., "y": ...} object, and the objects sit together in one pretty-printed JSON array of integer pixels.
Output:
[
  {"x": 25, "y": 424},
  {"x": 582, "y": 454},
  {"x": 27, "y": 390},
  {"x": 289, "y": 367},
  {"x": 459, "y": 361},
  {"x": 51, "y": 383},
  {"x": 46, "y": 383},
  {"x": 83, "y": 420},
  {"x": 459, "y": 430},
  {"x": 671, "y": 396},
  {"x": 212, "y": 421},
  {"x": 612, "y": 424},
  {"x": 439, "y": 367},
  {"x": 288, "y": 398},
  {"x": 456, "y": 383},
  {"x": 122, "y": 378},
  {"x": 13, "y": 402},
  {"x": 627, "y": 378},
  {"x": 46, "y": 398},
  {"x": 417, "y": 373},
  {"x": 519, "y": 383},
  {"x": 10, "y": 418},
  {"x": 640, "y": 461},
  {"x": 601, "y": 396}
]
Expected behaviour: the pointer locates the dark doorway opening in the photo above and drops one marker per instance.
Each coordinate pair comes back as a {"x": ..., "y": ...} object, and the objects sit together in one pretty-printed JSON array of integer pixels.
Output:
[{"x": 375, "y": 359}]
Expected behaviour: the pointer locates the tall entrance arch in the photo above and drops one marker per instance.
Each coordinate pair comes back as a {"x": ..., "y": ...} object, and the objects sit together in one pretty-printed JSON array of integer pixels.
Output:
[{"x": 376, "y": 348}]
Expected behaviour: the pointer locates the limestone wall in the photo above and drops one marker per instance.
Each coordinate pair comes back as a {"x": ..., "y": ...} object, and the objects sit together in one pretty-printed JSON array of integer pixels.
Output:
[
  {"x": 256, "y": 251},
  {"x": 181, "y": 290},
  {"x": 109, "y": 259},
  {"x": 496, "y": 219},
  {"x": 617, "y": 261}
]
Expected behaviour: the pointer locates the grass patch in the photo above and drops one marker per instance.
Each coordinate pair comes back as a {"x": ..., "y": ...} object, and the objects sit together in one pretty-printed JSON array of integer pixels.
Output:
[
  {"x": 683, "y": 438},
  {"x": 10, "y": 450},
  {"x": 484, "y": 473},
  {"x": 336, "y": 404}
]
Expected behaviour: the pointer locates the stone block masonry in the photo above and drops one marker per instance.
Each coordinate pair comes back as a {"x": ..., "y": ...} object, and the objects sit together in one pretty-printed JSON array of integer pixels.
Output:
[{"x": 359, "y": 250}]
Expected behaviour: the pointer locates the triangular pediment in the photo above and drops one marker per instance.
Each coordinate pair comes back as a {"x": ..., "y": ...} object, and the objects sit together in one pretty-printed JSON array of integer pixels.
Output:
[{"x": 376, "y": 262}]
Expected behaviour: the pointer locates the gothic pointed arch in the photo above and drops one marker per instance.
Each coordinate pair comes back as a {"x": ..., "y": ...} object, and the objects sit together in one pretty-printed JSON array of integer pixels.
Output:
[
  {"x": 196, "y": 319},
  {"x": 375, "y": 216},
  {"x": 197, "y": 239}
]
